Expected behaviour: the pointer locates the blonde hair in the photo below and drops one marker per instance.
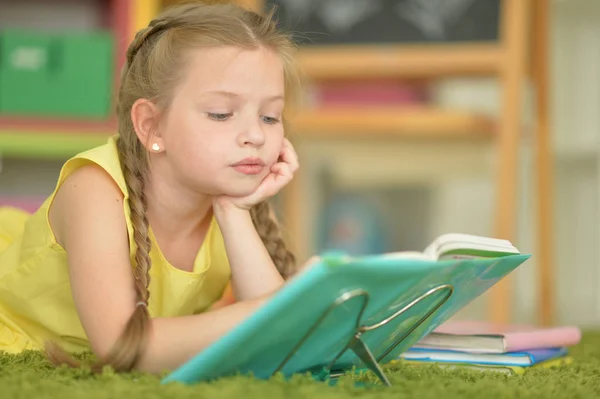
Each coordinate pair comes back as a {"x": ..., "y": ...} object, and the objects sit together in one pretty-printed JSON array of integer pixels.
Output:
[{"x": 154, "y": 63}]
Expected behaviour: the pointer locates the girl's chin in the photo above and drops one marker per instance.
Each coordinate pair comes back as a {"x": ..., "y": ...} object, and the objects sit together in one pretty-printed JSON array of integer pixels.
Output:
[
  {"x": 240, "y": 191},
  {"x": 237, "y": 187}
]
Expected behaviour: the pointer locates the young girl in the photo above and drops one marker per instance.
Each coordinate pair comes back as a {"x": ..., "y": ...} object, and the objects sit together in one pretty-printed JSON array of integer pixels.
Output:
[{"x": 142, "y": 235}]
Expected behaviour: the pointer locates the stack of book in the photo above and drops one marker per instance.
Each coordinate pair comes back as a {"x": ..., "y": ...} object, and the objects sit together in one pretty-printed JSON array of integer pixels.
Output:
[{"x": 484, "y": 346}]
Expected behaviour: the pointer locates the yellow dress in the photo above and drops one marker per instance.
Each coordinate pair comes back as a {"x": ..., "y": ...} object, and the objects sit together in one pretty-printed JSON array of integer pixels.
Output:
[{"x": 36, "y": 302}]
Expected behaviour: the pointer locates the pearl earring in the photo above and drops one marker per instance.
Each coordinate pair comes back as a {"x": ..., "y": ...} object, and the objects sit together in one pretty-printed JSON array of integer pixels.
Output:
[{"x": 155, "y": 147}]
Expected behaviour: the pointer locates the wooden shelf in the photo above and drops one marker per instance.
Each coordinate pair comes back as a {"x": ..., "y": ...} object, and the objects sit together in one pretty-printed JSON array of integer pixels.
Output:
[
  {"x": 67, "y": 125},
  {"x": 25, "y": 144},
  {"x": 51, "y": 138},
  {"x": 416, "y": 61},
  {"x": 423, "y": 123}
]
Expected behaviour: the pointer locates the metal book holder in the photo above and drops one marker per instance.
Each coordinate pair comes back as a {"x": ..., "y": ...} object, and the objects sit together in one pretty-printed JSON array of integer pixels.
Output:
[{"x": 356, "y": 344}]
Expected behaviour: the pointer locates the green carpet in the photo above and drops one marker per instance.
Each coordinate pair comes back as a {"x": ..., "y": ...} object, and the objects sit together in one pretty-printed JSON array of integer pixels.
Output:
[{"x": 30, "y": 376}]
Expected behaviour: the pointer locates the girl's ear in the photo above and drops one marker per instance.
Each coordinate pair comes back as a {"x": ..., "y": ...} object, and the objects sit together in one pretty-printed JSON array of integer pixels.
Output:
[{"x": 144, "y": 116}]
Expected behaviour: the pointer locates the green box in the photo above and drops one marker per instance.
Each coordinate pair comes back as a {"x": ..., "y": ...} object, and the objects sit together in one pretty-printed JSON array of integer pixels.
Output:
[
  {"x": 25, "y": 71},
  {"x": 87, "y": 66},
  {"x": 57, "y": 75}
]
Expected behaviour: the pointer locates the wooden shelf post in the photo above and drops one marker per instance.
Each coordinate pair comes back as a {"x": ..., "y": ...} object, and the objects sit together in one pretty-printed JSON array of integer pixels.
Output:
[
  {"x": 544, "y": 166},
  {"x": 512, "y": 78}
]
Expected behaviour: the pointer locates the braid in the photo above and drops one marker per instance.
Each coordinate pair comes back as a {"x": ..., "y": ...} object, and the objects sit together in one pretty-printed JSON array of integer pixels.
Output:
[
  {"x": 132, "y": 342},
  {"x": 165, "y": 22},
  {"x": 134, "y": 180},
  {"x": 269, "y": 232},
  {"x": 141, "y": 37}
]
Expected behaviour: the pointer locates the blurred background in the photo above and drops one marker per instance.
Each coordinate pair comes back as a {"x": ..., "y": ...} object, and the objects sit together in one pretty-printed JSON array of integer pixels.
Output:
[{"x": 415, "y": 115}]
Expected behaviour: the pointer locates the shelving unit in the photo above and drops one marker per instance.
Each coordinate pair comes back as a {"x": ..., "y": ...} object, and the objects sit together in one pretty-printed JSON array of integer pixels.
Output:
[{"x": 523, "y": 21}]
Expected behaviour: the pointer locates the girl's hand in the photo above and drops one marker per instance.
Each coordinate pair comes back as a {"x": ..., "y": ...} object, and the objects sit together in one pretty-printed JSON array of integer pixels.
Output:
[{"x": 281, "y": 174}]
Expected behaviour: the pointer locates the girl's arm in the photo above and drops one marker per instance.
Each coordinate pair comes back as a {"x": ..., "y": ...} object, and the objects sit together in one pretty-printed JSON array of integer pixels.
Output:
[
  {"x": 253, "y": 272},
  {"x": 87, "y": 218}
]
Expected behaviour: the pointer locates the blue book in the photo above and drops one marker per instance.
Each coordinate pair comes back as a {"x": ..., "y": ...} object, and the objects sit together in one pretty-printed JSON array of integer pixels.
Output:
[
  {"x": 522, "y": 358},
  {"x": 345, "y": 312}
]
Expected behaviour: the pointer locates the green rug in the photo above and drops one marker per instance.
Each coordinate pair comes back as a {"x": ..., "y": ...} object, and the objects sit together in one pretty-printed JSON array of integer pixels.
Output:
[{"x": 30, "y": 376}]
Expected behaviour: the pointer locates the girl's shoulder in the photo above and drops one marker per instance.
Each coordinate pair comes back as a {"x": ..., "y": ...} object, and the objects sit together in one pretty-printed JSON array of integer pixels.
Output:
[
  {"x": 104, "y": 157},
  {"x": 90, "y": 184},
  {"x": 87, "y": 194}
]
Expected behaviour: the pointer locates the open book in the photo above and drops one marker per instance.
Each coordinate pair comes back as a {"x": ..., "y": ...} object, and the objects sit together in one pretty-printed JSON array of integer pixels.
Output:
[
  {"x": 348, "y": 312},
  {"x": 460, "y": 246}
]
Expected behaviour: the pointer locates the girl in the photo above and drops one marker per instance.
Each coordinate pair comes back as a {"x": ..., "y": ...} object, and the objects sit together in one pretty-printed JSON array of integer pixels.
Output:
[{"x": 143, "y": 234}]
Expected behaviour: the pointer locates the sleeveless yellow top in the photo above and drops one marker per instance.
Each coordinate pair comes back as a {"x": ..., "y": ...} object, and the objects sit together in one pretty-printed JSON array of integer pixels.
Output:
[{"x": 36, "y": 302}]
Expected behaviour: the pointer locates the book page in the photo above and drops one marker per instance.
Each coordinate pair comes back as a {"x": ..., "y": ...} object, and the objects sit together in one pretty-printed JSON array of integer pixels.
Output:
[{"x": 407, "y": 255}]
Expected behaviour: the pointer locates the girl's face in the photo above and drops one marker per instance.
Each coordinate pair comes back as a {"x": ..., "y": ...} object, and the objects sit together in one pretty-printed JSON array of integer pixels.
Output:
[{"x": 223, "y": 130}]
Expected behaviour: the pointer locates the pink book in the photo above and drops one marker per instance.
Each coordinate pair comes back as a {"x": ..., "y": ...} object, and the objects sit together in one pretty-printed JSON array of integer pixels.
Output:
[{"x": 483, "y": 337}]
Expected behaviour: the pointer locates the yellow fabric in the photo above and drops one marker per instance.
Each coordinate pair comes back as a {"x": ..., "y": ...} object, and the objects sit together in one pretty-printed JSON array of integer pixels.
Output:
[{"x": 36, "y": 302}]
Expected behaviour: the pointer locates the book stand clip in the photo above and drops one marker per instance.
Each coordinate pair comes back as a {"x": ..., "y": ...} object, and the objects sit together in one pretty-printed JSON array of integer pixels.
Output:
[{"x": 356, "y": 344}]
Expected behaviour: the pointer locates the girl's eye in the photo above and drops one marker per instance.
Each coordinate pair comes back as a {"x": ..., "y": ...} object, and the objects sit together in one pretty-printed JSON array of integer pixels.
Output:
[
  {"x": 270, "y": 121},
  {"x": 219, "y": 117}
]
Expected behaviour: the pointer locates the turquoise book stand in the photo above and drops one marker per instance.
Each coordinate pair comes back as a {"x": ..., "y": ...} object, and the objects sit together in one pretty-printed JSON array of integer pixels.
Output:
[{"x": 346, "y": 312}]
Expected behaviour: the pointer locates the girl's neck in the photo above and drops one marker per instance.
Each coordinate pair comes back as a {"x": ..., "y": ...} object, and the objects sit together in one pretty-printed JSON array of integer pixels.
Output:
[{"x": 173, "y": 210}]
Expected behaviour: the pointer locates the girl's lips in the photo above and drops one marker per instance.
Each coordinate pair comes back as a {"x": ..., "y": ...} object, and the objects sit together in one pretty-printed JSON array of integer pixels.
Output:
[
  {"x": 249, "y": 166},
  {"x": 249, "y": 169}
]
